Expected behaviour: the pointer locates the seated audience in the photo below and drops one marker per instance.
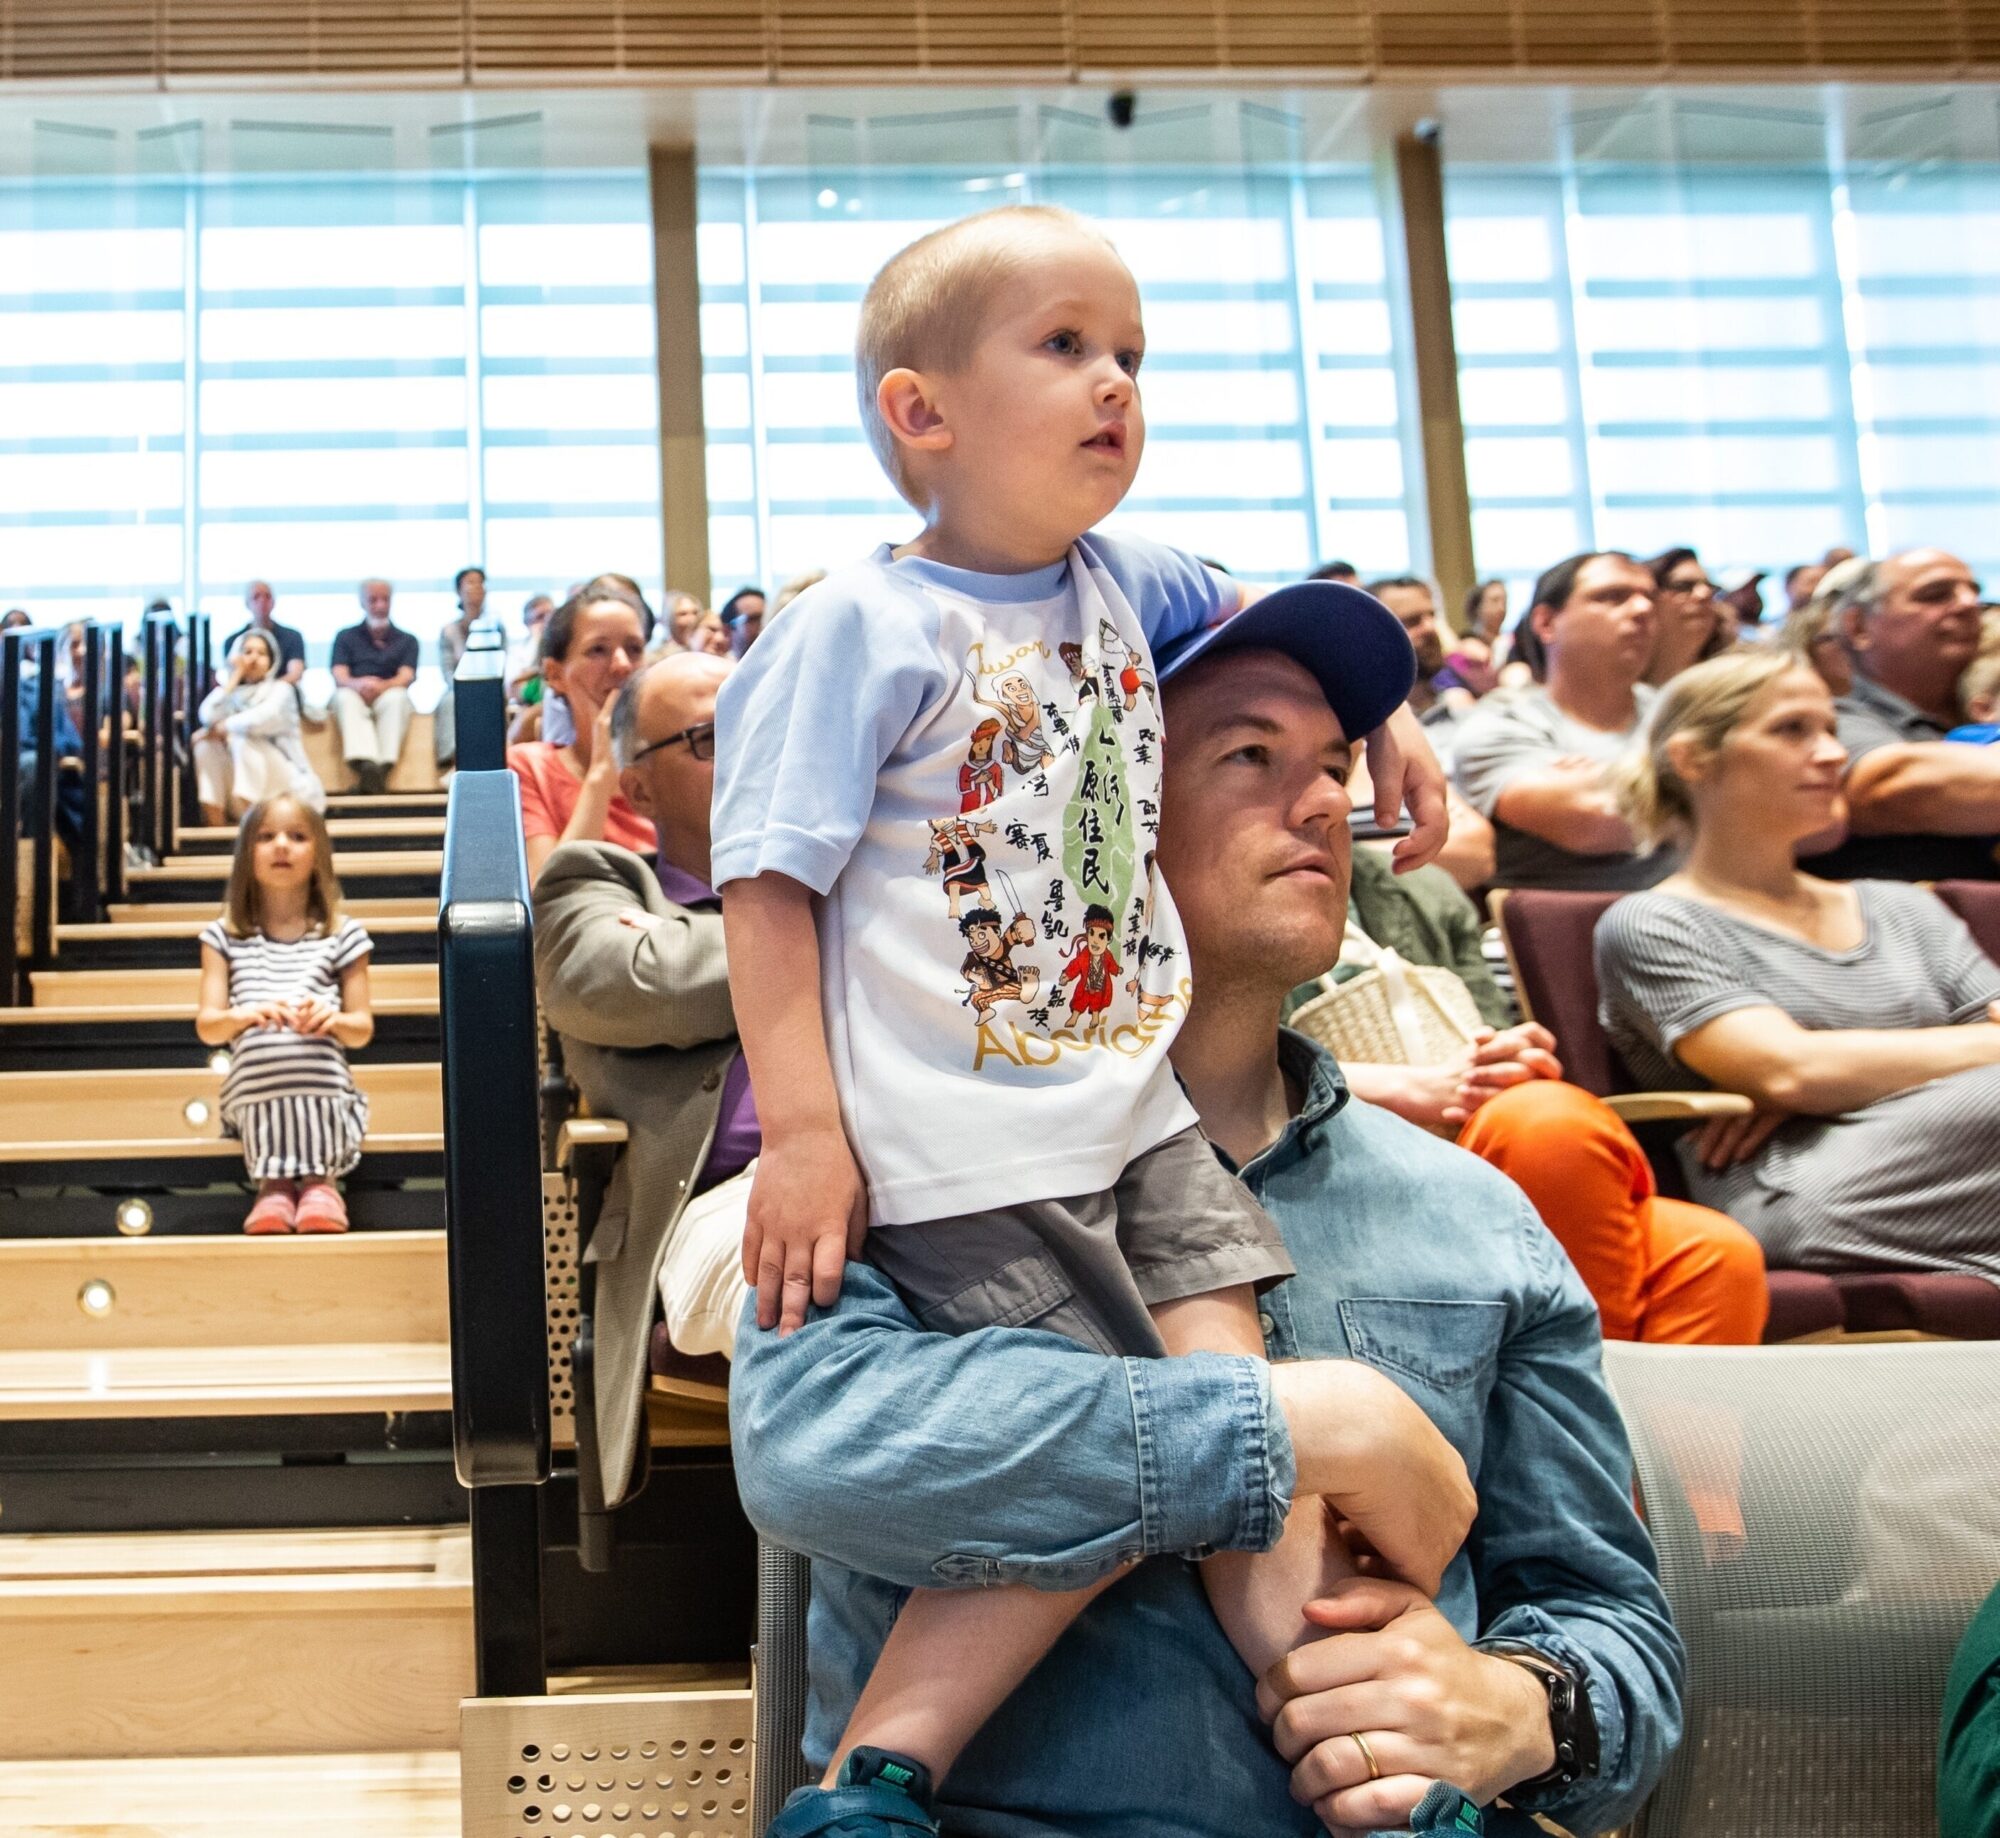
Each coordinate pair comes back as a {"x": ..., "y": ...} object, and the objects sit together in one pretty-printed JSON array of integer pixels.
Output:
[
  {"x": 1015, "y": 1457},
  {"x": 291, "y": 643},
  {"x": 70, "y": 789},
  {"x": 1343, "y": 572},
  {"x": 1860, "y": 1017},
  {"x": 743, "y": 617},
  {"x": 374, "y": 664},
  {"x": 1658, "y": 1269},
  {"x": 711, "y": 636},
  {"x": 73, "y": 667},
  {"x": 1537, "y": 763},
  {"x": 1804, "y": 582},
  {"x": 569, "y": 791},
  {"x": 469, "y": 584},
  {"x": 524, "y": 653},
  {"x": 1689, "y": 622},
  {"x": 1441, "y": 708},
  {"x": 16, "y": 617},
  {"x": 1811, "y": 633},
  {"x": 684, "y": 613},
  {"x": 1918, "y": 809},
  {"x": 1979, "y": 701},
  {"x": 629, "y": 962},
  {"x": 248, "y": 748},
  {"x": 1475, "y": 655}
]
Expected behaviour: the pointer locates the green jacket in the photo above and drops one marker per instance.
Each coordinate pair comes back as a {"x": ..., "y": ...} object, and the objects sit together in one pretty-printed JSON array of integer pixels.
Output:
[
  {"x": 1968, "y": 1796},
  {"x": 1425, "y": 918}
]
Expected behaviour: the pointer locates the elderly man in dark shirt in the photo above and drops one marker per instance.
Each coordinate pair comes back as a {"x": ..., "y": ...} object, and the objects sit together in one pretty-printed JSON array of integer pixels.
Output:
[
  {"x": 1921, "y": 808},
  {"x": 374, "y": 664}
]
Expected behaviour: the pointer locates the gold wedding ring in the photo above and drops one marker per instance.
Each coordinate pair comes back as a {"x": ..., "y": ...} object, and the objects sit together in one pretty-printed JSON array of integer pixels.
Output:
[{"x": 1367, "y": 1754}]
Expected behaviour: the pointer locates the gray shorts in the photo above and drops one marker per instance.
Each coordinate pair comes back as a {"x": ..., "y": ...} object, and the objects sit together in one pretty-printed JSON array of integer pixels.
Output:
[{"x": 1176, "y": 1224}]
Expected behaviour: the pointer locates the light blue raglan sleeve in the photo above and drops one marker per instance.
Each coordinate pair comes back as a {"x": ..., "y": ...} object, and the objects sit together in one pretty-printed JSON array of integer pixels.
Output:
[
  {"x": 1172, "y": 592},
  {"x": 806, "y": 721}
]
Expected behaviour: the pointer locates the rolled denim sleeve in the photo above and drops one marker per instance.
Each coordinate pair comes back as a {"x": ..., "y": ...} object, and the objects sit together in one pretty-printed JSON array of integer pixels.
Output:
[
  {"x": 1583, "y": 1588},
  {"x": 1001, "y": 1456}
]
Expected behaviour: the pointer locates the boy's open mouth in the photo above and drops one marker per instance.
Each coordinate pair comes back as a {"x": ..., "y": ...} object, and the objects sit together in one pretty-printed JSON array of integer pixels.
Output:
[{"x": 1107, "y": 440}]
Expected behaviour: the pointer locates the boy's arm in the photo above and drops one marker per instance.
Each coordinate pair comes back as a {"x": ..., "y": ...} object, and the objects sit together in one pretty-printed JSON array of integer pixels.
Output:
[{"x": 807, "y": 1207}]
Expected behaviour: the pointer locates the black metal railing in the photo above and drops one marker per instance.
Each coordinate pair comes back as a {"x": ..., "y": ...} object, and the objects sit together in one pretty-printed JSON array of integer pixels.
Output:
[
  {"x": 27, "y": 810},
  {"x": 479, "y": 692},
  {"x": 493, "y": 1220}
]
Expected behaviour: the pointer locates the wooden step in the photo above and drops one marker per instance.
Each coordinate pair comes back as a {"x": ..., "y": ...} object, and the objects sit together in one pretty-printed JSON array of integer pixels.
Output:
[
  {"x": 170, "y": 942},
  {"x": 171, "y": 1113},
  {"x": 338, "y": 1379},
  {"x": 345, "y": 862},
  {"x": 322, "y": 1796},
  {"x": 346, "y": 832},
  {"x": 342, "y": 804},
  {"x": 386, "y": 1287},
  {"x": 125, "y": 990},
  {"x": 228, "y": 1643},
  {"x": 174, "y": 912}
]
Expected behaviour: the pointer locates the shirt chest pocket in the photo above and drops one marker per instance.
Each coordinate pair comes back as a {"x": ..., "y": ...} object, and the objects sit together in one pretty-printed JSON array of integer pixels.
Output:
[{"x": 1444, "y": 1354}]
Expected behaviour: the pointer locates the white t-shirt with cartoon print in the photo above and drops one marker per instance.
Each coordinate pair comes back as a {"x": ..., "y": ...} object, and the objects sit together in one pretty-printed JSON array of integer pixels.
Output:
[{"x": 967, "y": 767}]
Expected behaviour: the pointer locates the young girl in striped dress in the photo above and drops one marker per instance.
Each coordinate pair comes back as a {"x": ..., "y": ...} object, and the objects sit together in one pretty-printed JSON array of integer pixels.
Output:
[{"x": 284, "y": 985}]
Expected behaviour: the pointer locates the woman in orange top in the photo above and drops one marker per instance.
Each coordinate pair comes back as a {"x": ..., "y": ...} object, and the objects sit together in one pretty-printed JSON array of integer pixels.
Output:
[{"x": 590, "y": 645}]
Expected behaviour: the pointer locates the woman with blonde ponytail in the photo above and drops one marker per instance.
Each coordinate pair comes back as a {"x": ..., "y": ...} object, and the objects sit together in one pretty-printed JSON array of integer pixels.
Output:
[{"x": 1859, "y": 1017}]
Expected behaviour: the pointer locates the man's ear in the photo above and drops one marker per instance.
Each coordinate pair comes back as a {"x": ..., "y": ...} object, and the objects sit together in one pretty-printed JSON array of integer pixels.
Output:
[
  {"x": 907, "y": 402},
  {"x": 636, "y": 792},
  {"x": 1853, "y": 628},
  {"x": 1542, "y": 621}
]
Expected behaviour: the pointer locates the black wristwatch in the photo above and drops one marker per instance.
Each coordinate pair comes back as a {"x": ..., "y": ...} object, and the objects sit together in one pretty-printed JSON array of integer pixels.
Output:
[{"x": 1571, "y": 1721}]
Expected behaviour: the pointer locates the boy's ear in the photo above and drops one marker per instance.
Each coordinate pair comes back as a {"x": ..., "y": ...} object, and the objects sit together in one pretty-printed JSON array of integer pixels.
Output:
[{"x": 907, "y": 402}]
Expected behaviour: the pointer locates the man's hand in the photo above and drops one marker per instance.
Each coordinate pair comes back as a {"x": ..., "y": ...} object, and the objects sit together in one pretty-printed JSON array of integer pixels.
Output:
[
  {"x": 1430, "y": 1707},
  {"x": 806, "y": 1217},
  {"x": 1404, "y": 771},
  {"x": 368, "y": 688},
  {"x": 1722, "y": 1142},
  {"x": 1370, "y": 1451}
]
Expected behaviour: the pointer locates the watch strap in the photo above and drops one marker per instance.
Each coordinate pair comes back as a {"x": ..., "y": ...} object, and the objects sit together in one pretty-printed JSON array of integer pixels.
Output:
[{"x": 1572, "y": 1723}]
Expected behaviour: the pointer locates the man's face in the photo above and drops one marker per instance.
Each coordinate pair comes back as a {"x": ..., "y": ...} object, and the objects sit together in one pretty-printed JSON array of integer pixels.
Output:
[
  {"x": 375, "y": 597},
  {"x": 472, "y": 594},
  {"x": 671, "y": 786},
  {"x": 1606, "y": 626},
  {"x": 1926, "y": 623},
  {"x": 1253, "y": 833},
  {"x": 1416, "y": 607},
  {"x": 259, "y": 598},
  {"x": 983, "y": 940},
  {"x": 1045, "y": 424}
]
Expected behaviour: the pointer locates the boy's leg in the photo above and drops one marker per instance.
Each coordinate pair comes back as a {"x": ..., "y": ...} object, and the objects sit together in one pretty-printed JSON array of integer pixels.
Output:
[
  {"x": 952, "y": 1659},
  {"x": 1259, "y": 1597}
]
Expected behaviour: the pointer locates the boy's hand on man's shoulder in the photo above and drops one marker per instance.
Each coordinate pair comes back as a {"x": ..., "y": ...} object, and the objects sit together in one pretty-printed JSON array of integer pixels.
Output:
[{"x": 807, "y": 1214}]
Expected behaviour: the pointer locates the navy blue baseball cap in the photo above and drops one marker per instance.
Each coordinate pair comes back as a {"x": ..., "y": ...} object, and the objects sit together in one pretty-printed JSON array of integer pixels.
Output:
[{"x": 1354, "y": 646}]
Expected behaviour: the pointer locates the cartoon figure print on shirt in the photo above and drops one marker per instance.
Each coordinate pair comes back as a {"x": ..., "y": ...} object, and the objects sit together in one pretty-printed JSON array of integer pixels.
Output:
[{"x": 1095, "y": 909}]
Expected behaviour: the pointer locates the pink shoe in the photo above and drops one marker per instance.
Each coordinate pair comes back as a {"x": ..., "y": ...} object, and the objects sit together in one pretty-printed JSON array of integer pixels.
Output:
[
  {"x": 274, "y": 1213},
  {"x": 321, "y": 1209}
]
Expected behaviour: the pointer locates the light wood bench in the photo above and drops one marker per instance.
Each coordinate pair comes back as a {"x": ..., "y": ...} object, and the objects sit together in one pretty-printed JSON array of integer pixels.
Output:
[
  {"x": 349, "y": 864},
  {"x": 148, "y": 991},
  {"x": 169, "y": 1114},
  {"x": 351, "y": 832},
  {"x": 234, "y": 1643},
  {"x": 177, "y": 914}
]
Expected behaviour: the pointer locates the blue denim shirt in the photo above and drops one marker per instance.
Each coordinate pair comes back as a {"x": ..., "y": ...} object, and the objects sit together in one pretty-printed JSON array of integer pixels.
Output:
[{"x": 900, "y": 1459}]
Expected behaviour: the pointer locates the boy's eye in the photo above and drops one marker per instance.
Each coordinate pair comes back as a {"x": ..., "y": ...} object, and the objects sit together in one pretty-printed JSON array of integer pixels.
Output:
[
  {"x": 1065, "y": 342},
  {"x": 1251, "y": 753},
  {"x": 1339, "y": 774},
  {"x": 1129, "y": 361}
]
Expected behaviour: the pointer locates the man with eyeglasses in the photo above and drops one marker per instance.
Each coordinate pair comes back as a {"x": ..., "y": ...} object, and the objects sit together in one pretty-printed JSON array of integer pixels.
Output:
[{"x": 629, "y": 961}]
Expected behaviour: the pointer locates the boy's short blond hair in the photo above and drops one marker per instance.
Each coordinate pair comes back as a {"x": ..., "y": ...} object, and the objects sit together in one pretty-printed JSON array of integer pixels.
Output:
[{"x": 927, "y": 306}]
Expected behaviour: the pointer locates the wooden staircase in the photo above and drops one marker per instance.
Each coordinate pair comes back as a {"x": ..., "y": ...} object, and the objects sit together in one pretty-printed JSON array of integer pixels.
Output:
[{"x": 228, "y": 1521}]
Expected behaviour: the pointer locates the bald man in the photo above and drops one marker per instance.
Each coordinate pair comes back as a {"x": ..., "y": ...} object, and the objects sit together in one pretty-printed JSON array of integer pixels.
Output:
[
  {"x": 1921, "y": 808},
  {"x": 629, "y": 962}
]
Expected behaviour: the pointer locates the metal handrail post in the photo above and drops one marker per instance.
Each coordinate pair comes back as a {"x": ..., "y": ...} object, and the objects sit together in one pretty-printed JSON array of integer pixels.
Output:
[
  {"x": 42, "y": 816},
  {"x": 10, "y": 818}
]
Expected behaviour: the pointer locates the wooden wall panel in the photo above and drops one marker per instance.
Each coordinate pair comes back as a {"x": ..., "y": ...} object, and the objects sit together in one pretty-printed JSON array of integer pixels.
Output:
[{"x": 502, "y": 42}]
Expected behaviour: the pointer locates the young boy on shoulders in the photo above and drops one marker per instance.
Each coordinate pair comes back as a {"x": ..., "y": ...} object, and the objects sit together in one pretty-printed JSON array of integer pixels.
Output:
[{"x": 997, "y": 1128}]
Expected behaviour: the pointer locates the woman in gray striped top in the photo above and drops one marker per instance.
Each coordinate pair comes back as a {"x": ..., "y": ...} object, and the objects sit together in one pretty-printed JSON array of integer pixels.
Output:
[
  {"x": 284, "y": 984},
  {"x": 1861, "y": 1018}
]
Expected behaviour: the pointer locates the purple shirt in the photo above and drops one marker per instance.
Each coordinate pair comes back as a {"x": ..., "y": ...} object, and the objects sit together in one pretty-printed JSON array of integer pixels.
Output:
[{"x": 739, "y": 1137}]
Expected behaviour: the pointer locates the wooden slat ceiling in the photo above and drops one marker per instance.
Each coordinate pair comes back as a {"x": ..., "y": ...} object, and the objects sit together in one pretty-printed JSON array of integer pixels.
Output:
[{"x": 508, "y": 41}]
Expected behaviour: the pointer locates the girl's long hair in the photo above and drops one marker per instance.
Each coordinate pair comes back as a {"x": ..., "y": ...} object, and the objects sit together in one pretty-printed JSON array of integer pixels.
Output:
[{"x": 242, "y": 912}]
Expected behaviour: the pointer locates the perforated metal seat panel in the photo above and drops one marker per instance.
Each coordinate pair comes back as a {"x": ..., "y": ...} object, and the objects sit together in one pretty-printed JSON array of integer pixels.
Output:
[{"x": 1868, "y": 1479}]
